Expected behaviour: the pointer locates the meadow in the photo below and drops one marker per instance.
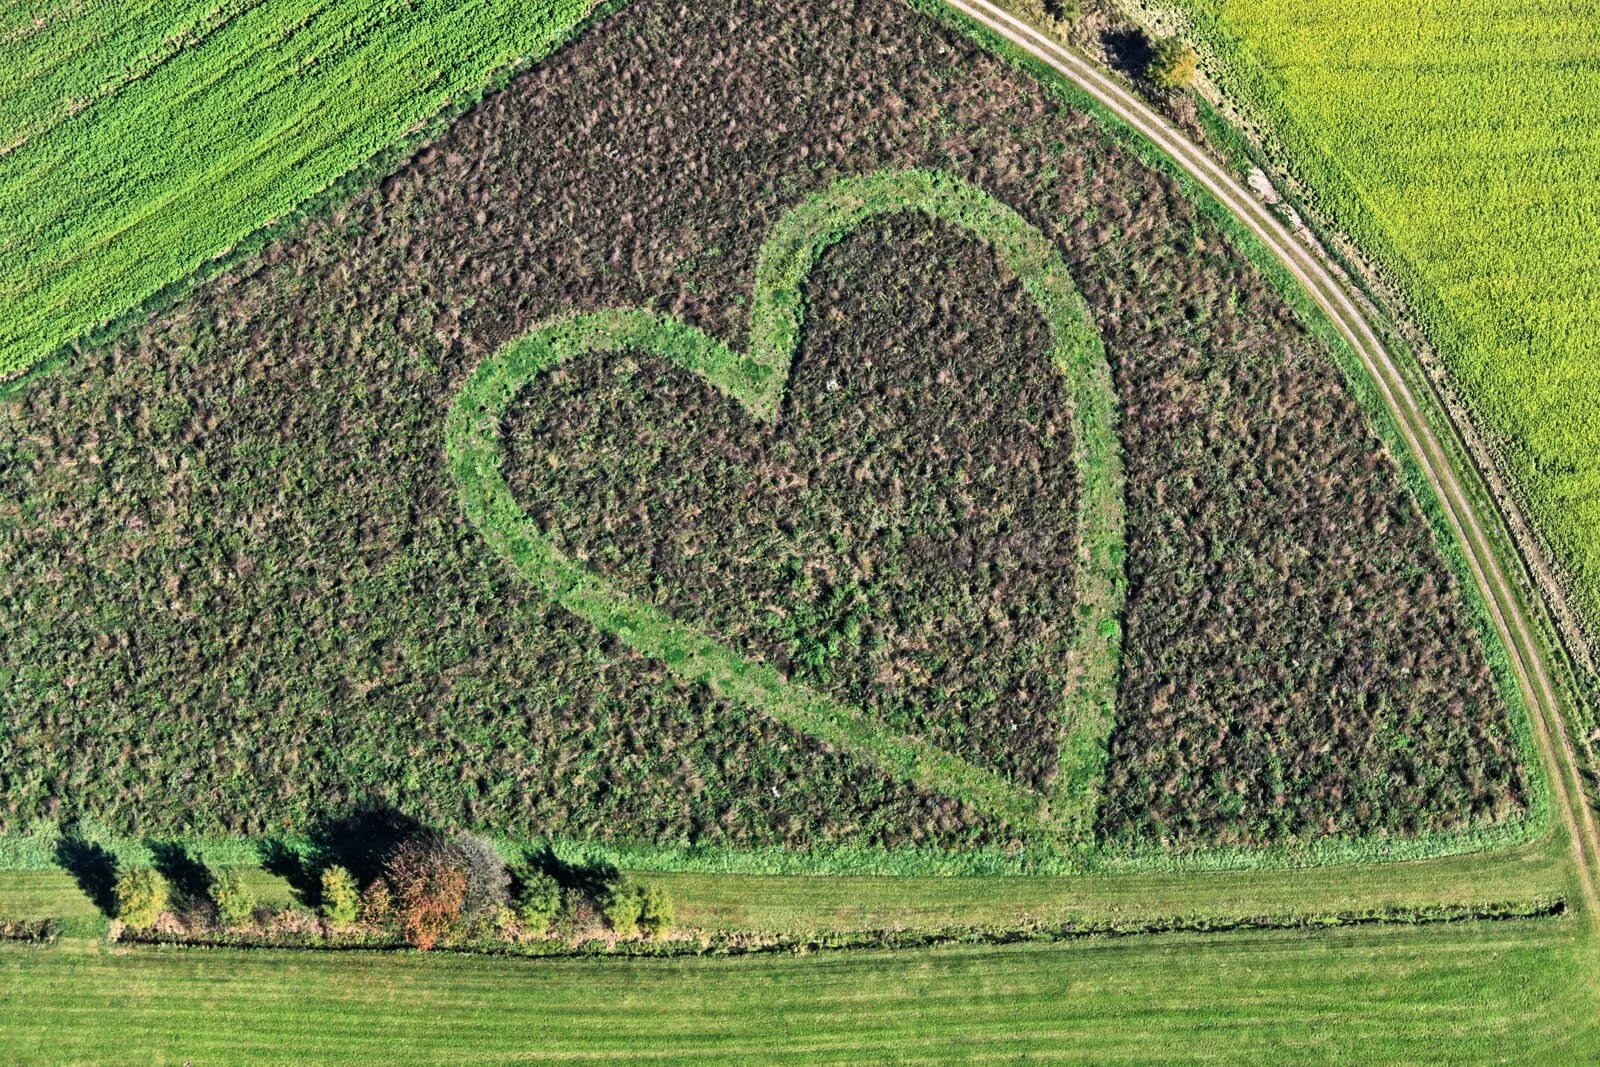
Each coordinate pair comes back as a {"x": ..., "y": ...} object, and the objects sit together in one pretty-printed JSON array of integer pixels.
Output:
[
  {"x": 140, "y": 142},
  {"x": 1474, "y": 992},
  {"x": 244, "y": 594},
  {"x": 1455, "y": 143}
]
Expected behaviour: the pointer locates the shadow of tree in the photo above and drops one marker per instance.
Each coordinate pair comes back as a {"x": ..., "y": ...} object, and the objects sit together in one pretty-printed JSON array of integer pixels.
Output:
[
  {"x": 589, "y": 876},
  {"x": 188, "y": 877},
  {"x": 283, "y": 859},
  {"x": 363, "y": 840},
  {"x": 93, "y": 867},
  {"x": 1128, "y": 51},
  {"x": 360, "y": 841}
]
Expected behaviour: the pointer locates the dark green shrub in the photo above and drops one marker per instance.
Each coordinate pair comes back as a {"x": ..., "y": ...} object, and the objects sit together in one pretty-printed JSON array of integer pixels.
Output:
[
  {"x": 538, "y": 899},
  {"x": 621, "y": 907},
  {"x": 656, "y": 911},
  {"x": 235, "y": 902},
  {"x": 142, "y": 895},
  {"x": 341, "y": 899}
]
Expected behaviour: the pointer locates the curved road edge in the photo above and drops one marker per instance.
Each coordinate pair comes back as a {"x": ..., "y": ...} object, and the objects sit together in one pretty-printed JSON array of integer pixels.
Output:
[{"x": 1303, "y": 262}]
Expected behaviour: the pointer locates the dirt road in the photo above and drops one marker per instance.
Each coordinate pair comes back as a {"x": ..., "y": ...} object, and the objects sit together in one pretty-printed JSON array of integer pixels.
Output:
[{"x": 1516, "y": 629}]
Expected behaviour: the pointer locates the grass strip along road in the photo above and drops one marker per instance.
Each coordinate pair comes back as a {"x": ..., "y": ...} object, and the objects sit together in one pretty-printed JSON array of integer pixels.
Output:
[{"x": 1511, "y": 617}]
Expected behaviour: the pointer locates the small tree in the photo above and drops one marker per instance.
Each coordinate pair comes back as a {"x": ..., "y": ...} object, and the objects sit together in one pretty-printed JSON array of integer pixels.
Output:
[
  {"x": 488, "y": 882},
  {"x": 1173, "y": 64},
  {"x": 538, "y": 899},
  {"x": 377, "y": 903},
  {"x": 341, "y": 900},
  {"x": 142, "y": 895},
  {"x": 429, "y": 886},
  {"x": 656, "y": 911},
  {"x": 621, "y": 907},
  {"x": 235, "y": 903}
]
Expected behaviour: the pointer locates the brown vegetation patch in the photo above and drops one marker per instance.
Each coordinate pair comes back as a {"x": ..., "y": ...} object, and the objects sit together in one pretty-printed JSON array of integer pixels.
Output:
[{"x": 240, "y": 591}]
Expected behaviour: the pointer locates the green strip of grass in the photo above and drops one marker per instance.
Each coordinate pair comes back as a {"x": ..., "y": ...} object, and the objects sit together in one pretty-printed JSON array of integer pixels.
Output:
[
  {"x": 757, "y": 381},
  {"x": 138, "y": 142},
  {"x": 1468, "y": 992}
]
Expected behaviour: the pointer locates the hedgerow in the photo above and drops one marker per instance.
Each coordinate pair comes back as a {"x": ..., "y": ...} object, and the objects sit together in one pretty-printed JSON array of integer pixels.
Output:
[{"x": 746, "y": 943}]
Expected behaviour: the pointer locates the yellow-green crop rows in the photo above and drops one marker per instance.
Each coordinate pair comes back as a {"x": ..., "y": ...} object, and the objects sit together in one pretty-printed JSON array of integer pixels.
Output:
[{"x": 1459, "y": 142}]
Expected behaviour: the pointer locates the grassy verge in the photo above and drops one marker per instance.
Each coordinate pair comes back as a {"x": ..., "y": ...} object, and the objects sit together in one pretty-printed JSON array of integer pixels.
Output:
[{"x": 1461, "y": 992}]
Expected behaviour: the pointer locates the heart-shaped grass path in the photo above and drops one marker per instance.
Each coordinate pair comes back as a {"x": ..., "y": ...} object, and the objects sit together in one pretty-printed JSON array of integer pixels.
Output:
[{"x": 757, "y": 380}]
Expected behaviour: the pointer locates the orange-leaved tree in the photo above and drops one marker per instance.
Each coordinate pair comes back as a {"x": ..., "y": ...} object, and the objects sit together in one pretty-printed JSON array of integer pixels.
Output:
[{"x": 429, "y": 887}]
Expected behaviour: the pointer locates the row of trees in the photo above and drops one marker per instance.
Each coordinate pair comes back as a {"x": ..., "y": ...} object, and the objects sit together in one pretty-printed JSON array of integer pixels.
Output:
[{"x": 430, "y": 887}]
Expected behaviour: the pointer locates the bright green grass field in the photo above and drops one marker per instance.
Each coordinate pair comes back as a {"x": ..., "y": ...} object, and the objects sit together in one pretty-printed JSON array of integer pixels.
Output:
[
  {"x": 140, "y": 139},
  {"x": 1517, "y": 991},
  {"x": 1459, "y": 140}
]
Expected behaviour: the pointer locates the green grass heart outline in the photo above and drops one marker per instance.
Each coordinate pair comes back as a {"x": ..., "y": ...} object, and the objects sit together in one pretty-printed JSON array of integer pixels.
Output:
[{"x": 757, "y": 380}]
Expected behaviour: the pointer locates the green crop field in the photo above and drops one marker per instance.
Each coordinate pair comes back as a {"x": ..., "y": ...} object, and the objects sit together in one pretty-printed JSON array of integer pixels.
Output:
[
  {"x": 139, "y": 141},
  {"x": 1457, "y": 143},
  {"x": 1502, "y": 991}
]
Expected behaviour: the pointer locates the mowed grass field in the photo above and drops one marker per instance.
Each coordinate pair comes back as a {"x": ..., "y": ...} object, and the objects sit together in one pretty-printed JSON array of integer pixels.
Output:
[
  {"x": 140, "y": 140},
  {"x": 1459, "y": 140},
  {"x": 1468, "y": 993}
]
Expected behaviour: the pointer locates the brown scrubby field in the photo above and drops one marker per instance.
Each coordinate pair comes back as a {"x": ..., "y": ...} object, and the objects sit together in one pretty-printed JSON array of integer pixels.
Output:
[{"x": 242, "y": 593}]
